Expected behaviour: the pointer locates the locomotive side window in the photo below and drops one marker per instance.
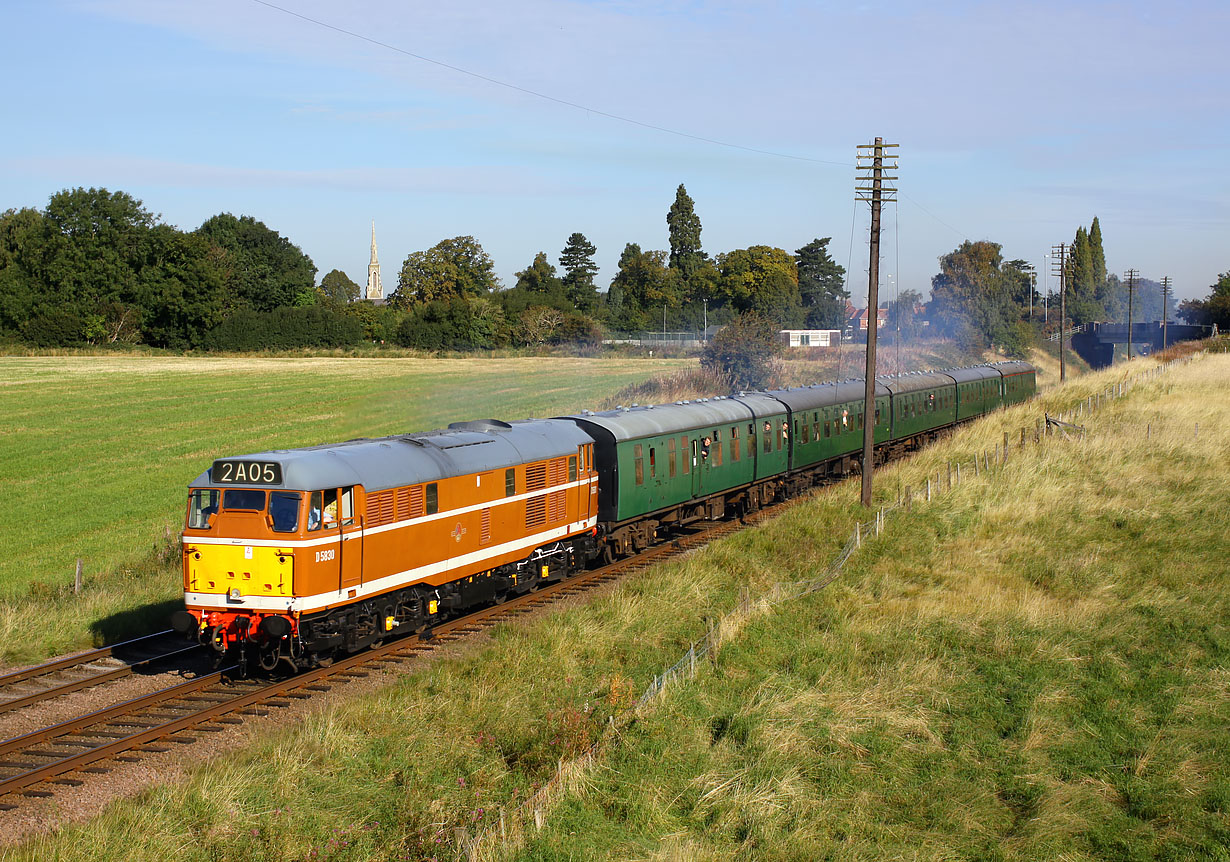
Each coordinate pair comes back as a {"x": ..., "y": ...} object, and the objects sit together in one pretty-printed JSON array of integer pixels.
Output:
[
  {"x": 202, "y": 504},
  {"x": 572, "y": 468},
  {"x": 284, "y": 510},
  {"x": 433, "y": 498},
  {"x": 322, "y": 510},
  {"x": 510, "y": 482},
  {"x": 244, "y": 500},
  {"x": 347, "y": 506}
]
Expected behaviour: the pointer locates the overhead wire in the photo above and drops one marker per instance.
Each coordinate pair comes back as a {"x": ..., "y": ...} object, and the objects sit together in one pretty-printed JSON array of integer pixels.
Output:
[{"x": 541, "y": 95}]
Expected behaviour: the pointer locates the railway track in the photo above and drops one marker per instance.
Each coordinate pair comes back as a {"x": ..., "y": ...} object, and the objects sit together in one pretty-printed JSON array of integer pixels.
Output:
[
  {"x": 68, "y": 753},
  {"x": 59, "y": 677}
]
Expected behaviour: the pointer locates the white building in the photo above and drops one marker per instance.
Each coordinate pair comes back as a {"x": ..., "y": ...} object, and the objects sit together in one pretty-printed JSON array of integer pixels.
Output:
[{"x": 809, "y": 337}]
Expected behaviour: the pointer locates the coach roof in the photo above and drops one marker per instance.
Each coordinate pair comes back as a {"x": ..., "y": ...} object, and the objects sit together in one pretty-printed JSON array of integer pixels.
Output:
[
  {"x": 634, "y": 423},
  {"x": 461, "y": 449}
]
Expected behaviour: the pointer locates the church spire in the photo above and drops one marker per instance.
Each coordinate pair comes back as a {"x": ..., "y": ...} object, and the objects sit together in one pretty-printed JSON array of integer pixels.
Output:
[{"x": 374, "y": 288}]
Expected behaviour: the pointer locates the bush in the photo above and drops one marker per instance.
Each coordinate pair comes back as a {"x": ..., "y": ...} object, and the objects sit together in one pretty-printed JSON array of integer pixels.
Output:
[
  {"x": 743, "y": 352},
  {"x": 55, "y": 327},
  {"x": 285, "y": 329}
]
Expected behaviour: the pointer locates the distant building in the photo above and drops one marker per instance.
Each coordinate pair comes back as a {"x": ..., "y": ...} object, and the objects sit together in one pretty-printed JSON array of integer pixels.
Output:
[
  {"x": 857, "y": 318},
  {"x": 375, "y": 291},
  {"x": 810, "y": 337}
]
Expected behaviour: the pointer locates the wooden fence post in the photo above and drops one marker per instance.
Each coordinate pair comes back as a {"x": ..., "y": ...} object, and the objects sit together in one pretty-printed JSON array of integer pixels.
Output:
[{"x": 77, "y": 579}]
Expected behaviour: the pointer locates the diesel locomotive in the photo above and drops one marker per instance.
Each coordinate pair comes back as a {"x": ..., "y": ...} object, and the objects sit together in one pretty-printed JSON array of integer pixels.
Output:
[{"x": 291, "y": 557}]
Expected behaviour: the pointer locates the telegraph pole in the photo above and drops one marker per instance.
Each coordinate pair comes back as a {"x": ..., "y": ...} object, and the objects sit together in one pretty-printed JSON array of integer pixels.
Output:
[
  {"x": 1130, "y": 275},
  {"x": 1059, "y": 264},
  {"x": 870, "y": 186},
  {"x": 1165, "y": 307}
]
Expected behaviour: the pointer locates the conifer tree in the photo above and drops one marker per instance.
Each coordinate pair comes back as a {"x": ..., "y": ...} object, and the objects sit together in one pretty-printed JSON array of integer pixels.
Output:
[
  {"x": 684, "y": 227},
  {"x": 577, "y": 261}
]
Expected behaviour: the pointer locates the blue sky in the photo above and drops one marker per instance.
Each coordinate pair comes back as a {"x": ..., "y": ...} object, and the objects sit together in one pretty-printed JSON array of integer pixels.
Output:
[{"x": 1017, "y": 123}]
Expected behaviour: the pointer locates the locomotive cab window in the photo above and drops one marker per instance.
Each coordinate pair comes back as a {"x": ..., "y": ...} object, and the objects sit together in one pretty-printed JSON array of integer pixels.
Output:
[
  {"x": 284, "y": 511},
  {"x": 243, "y": 500},
  {"x": 322, "y": 510},
  {"x": 202, "y": 504}
]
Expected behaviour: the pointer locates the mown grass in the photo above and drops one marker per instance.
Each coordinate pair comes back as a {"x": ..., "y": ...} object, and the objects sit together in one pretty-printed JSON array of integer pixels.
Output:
[
  {"x": 96, "y": 452},
  {"x": 1031, "y": 666}
]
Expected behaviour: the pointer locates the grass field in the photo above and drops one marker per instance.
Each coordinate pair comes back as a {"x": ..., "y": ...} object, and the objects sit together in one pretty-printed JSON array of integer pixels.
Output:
[
  {"x": 1031, "y": 666},
  {"x": 96, "y": 451}
]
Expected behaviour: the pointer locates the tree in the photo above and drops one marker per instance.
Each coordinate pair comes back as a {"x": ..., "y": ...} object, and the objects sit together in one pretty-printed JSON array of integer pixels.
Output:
[
  {"x": 337, "y": 290},
  {"x": 642, "y": 284},
  {"x": 1083, "y": 305},
  {"x": 457, "y": 267},
  {"x": 821, "y": 288},
  {"x": 537, "y": 284},
  {"x": 684, "y": 227},
  {"x": 971, "y": 297},
  {"x": 903, "y": 313},
  {"x": 743, "y": 352},
  {"x": 22, "y": 242},
  {"x": 180, "y": 295},
  {"x": 539, "y": 324},
  {"x": 761, "y": 280},
  {"x": 261, "y": 269},
  {"x": 1097, "y": 256},
  {"x": 577, "y": 261},
  {"x": 1213, "y": 310}
]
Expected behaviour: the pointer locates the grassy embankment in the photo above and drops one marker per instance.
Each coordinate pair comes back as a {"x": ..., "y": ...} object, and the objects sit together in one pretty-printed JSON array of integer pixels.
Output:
[
  {"x": 96, "y": 451},
  {"x": 1032, "y": 665}
]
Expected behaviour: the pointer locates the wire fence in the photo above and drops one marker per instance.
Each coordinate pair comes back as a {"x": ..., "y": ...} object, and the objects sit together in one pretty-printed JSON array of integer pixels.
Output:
[{"x": 513, "y": 824}]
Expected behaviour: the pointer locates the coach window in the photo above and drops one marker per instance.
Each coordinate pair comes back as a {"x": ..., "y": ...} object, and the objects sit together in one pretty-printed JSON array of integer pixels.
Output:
[
  {"x": 768, "y": 437},
  {"x": 653, "y": 463},
  {"x": 201, "y": 505},
  {"x": 639, "y": 461},
  {"x": 734, "y": 442},
  {"x": 751, "y": 439},
  {"x": 572, "y": 468},
  {"x": 510, "y": 482},
  {"x": 860, "y": 421},
  {"x": 433, "y": 498},
  {"x": 687, "y": 455},
  {"x": 284, "y": 510},
  {"x": 670, "y": 457}
]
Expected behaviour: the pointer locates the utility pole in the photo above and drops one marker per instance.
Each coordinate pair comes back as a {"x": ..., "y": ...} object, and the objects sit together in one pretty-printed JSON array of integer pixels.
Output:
[
  {"x": 1033, "y": 288},
  {"x": 1130, "y": 275},
  {"x": 1165, "y": 307},
  {"x": 1059, "y": 264},
  {"x": 870, "y": 162}
]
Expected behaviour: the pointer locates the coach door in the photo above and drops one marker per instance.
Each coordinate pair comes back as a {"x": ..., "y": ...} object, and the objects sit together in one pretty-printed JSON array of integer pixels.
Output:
[{"x": 352, "y": 540}]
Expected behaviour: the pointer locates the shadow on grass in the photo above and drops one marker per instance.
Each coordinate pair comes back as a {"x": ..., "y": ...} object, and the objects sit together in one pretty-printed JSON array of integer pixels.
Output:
[{"x": 134, "y": 622}]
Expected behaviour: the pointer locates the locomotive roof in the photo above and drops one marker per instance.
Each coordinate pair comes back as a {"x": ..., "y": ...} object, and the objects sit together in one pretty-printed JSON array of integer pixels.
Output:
[
  {"x": 409, "y": 459},
  {"x": 824, "y": 394},
  {"x": 633, "y": 423}
]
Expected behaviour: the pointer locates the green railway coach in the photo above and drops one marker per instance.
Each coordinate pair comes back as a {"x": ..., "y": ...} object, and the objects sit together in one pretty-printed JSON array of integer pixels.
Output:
[
  {"x": 826, "y": 421},
  {"x": 1019, "y": 381},
  {"x": 674, "y": 463},
  {"x": 922, "y": 402},
  {"x": 979, "y": 390}
]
